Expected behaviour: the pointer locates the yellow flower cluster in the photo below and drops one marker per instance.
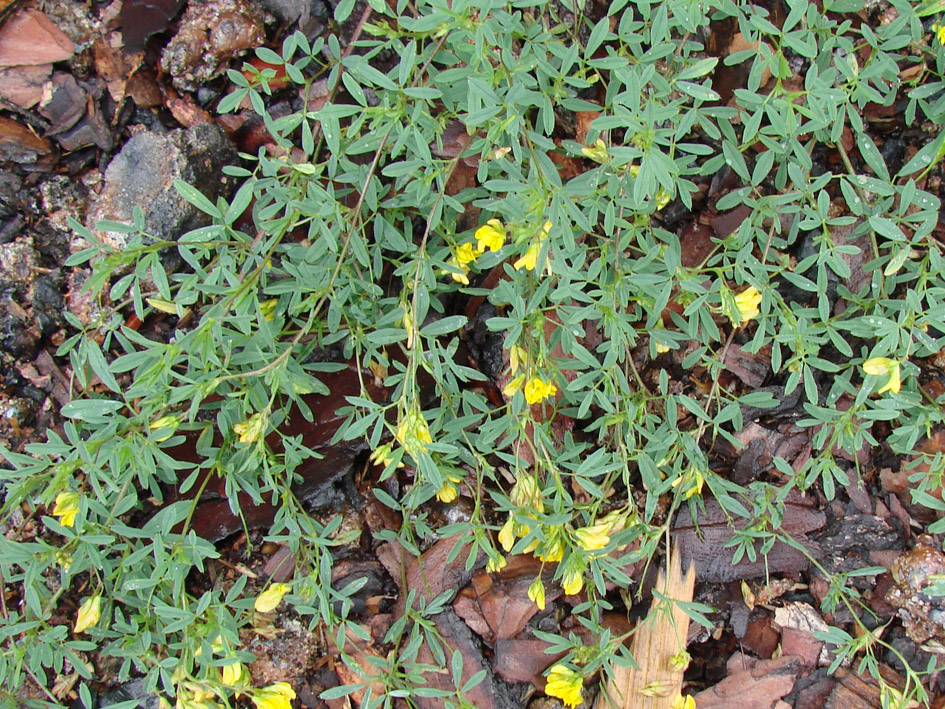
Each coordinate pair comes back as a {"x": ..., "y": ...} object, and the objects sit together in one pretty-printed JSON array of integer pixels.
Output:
[
  {"x": 448, "y": 491},
  {"x": 591, "y": 539},
  {"x": 66, "y": 508},
  {"x": 525, "y": 494},
  {"x": 939, "y": 31},
  {"x": 413, "y": 433},
  {"x": 270, "y": 599},
  {"x": 748, "y": 302},
  {"x": 885, "y": 367},
  {"x": 166, "y": 425},
  {"x": 90, "y": 612},
  {"x": 251, "y": 429},
  {"x": 691, "y": 482},
  {"x": 194, "y": 697},
  {"x": 232, "y": 674},
  {"x": 565, "y": 684},
  {"x": 275, "y": 696},
  {"x": 490, "y": 235},
  {"x": 530, "y": 259},
  {"x": 536, "y": 389}
]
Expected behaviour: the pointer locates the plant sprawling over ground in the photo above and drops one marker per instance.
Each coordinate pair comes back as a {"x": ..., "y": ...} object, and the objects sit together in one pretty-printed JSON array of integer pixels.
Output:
[{"x": 504, "y": 185}]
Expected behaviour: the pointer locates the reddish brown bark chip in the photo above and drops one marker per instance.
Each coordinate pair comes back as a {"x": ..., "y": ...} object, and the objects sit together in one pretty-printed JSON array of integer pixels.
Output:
[
  {"x": 23, "y": 85},
  {"x": 30, "y": 38},
  {"x": 760, "y": 685},
  {"x": 19, "y": 144},
  {"x": 706, "y": 547},
  {"x": 521, "y": 660}
]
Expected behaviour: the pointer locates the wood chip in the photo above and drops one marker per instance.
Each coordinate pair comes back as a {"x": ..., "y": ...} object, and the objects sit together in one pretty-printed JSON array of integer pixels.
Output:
[
  {"x": 753, "y": 684},
  {"x": 23, "y": 85},
  {"x": 19, "y": 144},
  {"x": 31, "y": 38},
  {"x": 706, "y": 547},
  {"x": 655, "y": 684}
]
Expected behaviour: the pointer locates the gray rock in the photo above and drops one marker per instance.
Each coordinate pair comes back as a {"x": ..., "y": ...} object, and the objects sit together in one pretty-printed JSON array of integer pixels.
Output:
[
  {"x": 143, "y": 174},
  {"x": 18, "y": 262},
  {"x": 287, "y": 11}
]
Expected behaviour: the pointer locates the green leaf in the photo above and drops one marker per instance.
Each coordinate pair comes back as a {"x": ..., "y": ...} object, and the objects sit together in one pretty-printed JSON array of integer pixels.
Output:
[
  {"x": 444, "y": 326},
  {"x": 343, "y": 10},
  {"x": 196, "y": 198},
  {"x": 91, "y": 410},
  {"x": 100, "y": 366},
  {"x": 886, "y": 227},
  {"x": 699, "y": 69},
  {"x": 697, "y": 91},
  {"x": 735, "y": 160},
  {"x": 926, "y": 157},
  {"x": 240, "y": 201},
  {"x": 871, "y": 155},
  {"x": 598, "y": 35}
]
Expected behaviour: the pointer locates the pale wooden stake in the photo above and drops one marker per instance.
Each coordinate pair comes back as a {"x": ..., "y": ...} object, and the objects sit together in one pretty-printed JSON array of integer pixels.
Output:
[{"x": 653, "y": 646}]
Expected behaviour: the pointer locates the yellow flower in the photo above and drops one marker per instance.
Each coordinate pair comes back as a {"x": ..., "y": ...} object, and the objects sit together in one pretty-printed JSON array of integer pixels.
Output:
[
  {"x": 508, "y": 391},
  {"x": 939, "y": 32},
  {"x": 614, "y": 521},
  {"x": 552, "y": 549},
  {"x": 884, "y": 366},
  {"x": 681, "y": 702},
  {"x": 462, "y": 276},
  {"x": 66, "y": 508},
  {"x": 268, "y": 308},
  {"x": 527, "y": 493},
  {"x": 692, "y": 481},
  {"x": 565, "y": 684},
  {"x": 490, "y": 235},
  {"x": 530, "y": 259},
  {"x": 270, "y": 598},
  {"x": 537, "y": 389},
  {"x": 413, "y": 433},
  {"x": 747, "y": 303},
  {"x": 89, "y": 614},
  {"x": 517, "y": 356},
  {"x": 275, "y": 696},
  {"x": 250, "y": 430},
  {"x": 592, "y": 538},
  {"x": 536, "y": 593},
  {"x": 447, "y": 493},
  {"x": 467, "y": 254},
  {"x": 596, "y": 152},
  {"x": 195, "y": 699},
  {"x": 507, "y": 534},
  {"x": 168, "y": 424},
  {"x": 382, "y": 455},
  {"x": 495, "y": 565},
  {"x": 232, "y": 673},
  {"x": 680, "y": 661},
  {"x": 572, "y": 580}
]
